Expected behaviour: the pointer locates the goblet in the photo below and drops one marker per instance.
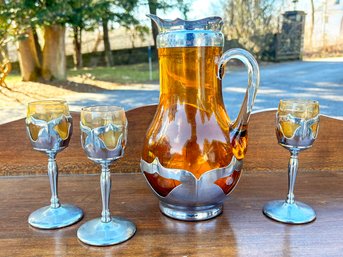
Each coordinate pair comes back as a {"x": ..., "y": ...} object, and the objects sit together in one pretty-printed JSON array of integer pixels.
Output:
[
  {"x": 297, "y": 124},
  {"x": 49, "y": 127},
  {"x": 103, "y": 138}
]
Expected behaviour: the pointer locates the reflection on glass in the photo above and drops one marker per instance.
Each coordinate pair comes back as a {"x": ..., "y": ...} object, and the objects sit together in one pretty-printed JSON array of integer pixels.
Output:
[
  {"x": 193, "y": 154},
  {"x": 192, "y": 129},
  {"x": 297, "y": 123},
  {"x": 49, "y": 127},
  {"x": 103, "y": 138}
]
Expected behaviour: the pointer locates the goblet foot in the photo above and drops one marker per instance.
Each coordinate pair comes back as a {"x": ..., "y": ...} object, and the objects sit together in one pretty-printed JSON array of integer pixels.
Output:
[
  {"x": 98, "y": 233},
  {"x": 191, "y": 213},
  {"x": 51, "y": 218},
  {"x": 296, "y": 213}
]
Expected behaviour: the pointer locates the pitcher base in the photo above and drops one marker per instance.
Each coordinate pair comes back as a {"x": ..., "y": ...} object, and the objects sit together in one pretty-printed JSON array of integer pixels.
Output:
[{"x": 191, "y": 213}]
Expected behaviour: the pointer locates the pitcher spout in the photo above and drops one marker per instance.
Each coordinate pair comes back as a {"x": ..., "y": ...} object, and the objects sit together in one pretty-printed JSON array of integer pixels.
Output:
[
  {"x": 158, "y": 21},
  {"x": 210, "y": 23}
]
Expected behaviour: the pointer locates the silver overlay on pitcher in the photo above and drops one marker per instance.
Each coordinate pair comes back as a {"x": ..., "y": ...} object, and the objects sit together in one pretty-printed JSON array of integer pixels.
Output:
[
  {"x": 192, "y": 194},
  {"x": 193, "y": 152}
]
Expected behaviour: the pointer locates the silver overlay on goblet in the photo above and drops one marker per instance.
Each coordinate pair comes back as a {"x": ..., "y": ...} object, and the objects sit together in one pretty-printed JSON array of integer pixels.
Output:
[
  {"x": 49, "y": 141},
  {"x": 297, "y": 124},
  {"x": 107, "y": 230},
  {"x": 96, "y": 148},
  {"x": 48, "y": 138},
  {"x": 303, "y": 136}
]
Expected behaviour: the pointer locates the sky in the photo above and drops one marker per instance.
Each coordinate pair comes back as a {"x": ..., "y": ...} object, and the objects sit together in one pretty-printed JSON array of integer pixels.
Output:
[
  {"x": 204, "y": 8},
  {"x": 199, "y": 9}
]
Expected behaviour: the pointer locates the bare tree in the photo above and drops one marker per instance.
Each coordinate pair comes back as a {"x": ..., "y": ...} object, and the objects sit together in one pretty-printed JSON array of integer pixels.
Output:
[
  {"x": 137, "y": 32},
  {"x": 312, "y": 23},
  {"x": 107, "y": 44},
  {"x": 251, "y": 23}
]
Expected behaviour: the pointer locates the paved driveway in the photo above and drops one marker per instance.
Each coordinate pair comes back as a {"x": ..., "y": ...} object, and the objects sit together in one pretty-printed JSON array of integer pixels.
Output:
[{"x": 320, "y": 80}]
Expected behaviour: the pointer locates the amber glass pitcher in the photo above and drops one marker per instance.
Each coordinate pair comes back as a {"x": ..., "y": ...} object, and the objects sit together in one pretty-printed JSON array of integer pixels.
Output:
[{"x": 192, "y": 154}]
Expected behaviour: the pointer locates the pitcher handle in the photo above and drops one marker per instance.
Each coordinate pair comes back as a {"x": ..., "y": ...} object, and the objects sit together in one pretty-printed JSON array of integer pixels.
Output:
[{"x": 250, "y": 62}]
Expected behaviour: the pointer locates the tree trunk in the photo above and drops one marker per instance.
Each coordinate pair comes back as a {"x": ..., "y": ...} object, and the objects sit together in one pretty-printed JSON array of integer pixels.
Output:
[
  {"x": 312, "y": 24},
  {"x": 77, "y": 56},
  {"x": 152, "y": 10},
  {"x": 107, "y": 46},
  {"x": 37, "y": 45},
  {"x": 28, "y": 58},
  {"x": 54, "y": 59},
  {"x": 98, "y": 40},
  {"x": 3, "y": 54}
]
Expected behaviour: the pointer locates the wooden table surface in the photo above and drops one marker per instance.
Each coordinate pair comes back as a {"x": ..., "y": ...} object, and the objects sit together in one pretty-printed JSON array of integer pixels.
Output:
[
  {"x": 241, "y": 230},
  {"x": 264, "y": 154}
]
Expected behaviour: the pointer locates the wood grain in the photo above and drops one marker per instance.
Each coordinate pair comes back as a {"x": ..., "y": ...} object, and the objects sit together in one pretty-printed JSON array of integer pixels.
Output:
[
  {"x": 264, "y": 154},
  {"x": 241, "y": 230},
  {"x": 18, "y": 158}
]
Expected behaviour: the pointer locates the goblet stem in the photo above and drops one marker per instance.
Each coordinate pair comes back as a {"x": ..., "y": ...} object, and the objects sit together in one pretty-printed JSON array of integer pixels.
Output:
[
  {"x": 105, "y": 185},
  {"x": 292, "y": 174},
  {"x": 53, "y": 178}
]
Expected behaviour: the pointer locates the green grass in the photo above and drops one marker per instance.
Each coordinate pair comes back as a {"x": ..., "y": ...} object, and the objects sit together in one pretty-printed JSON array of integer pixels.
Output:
[
  {"x": 135, "y": 73},
  {"x": 13, "y": 77}
]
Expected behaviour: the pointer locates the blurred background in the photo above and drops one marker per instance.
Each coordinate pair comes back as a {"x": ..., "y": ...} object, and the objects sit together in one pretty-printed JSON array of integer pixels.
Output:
[{"x": 103, "y": 51}]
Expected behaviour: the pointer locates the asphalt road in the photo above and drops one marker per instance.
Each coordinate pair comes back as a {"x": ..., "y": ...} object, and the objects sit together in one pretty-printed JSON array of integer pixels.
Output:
[{"x": 320, "y": 80}]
